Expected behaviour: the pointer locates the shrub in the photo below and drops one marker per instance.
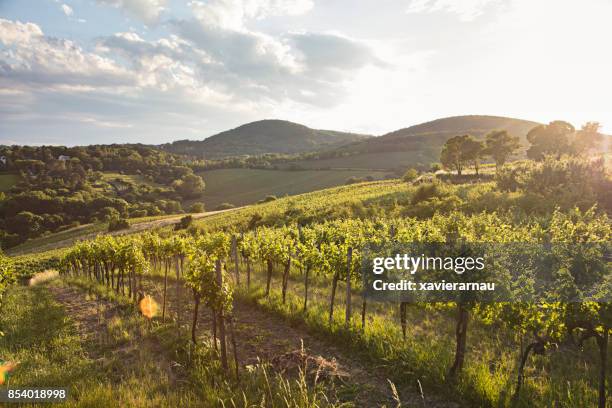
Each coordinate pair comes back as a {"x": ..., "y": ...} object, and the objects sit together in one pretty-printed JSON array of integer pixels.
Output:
[
  {"x": 353, "y": 180},
  {"x": 117, "y": 224},
  {"x": 138, "y": 213},
  {"x": 410, "y": 175},
  {"x": 224, "y": 206},
  {"x": 196, "y": 208},
  {"x": 185, "y": 222}
]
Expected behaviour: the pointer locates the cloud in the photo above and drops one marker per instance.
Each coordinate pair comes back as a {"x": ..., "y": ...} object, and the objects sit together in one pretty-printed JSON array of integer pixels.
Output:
[
  {"x": 67, "y": 10},
  {"x": 467, "y": 10},
  {"x": 31, "y": 60},
  {"x": 225, "y": 73},
  {"x": 232, "y": 14},
  {"x": 146, "y": 10},
  {"x": 332, "y": 51}
]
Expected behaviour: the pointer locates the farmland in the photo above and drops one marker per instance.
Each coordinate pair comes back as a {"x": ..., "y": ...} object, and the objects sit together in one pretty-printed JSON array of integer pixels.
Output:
[
  {"x": 247, "y": 186},
  {"x": 413, "y": 347},
  {"x": 8, "y": 180}
]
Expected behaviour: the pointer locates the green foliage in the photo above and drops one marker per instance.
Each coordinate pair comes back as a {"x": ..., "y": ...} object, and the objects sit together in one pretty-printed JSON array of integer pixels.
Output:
[
  {"x": 189, "y": 186},
  {"x": 410, "y": 175},
  {"x": 184, "y": 223},
  {"x": 196, "y": 208},
  {"x": 117, "y": 224},
  {"x": 568, "y": 182},
  {"x": 224, "y": 206},
  {"x": 7, "y": 277},
  {"x": 500, "y": 145},
  {"x": 458, "y": 151},
  {"x": 551, "y": 139},
  {"x": 265, "y": 136}
]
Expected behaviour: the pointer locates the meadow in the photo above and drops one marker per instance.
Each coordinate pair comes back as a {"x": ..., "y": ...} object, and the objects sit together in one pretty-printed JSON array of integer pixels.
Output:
[
  {"x": 247, "y": 186},
  {"x": 8, "y": 180}
]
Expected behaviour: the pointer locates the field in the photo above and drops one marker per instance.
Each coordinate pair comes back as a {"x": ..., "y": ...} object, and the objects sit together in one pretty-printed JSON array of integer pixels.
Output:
[
  {"x": 128, "y": 178},
  {"x": 384, "y": 161},
  {"x": 247, "y": 186},
  {"x": 389, "y": 356},
  {"x": 7, "y": 181}
]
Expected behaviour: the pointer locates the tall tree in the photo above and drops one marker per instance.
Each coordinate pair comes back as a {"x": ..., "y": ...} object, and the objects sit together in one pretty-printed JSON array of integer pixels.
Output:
[
  {"x": 553, "y": 138},
  {"x": 500, "y": 145}
]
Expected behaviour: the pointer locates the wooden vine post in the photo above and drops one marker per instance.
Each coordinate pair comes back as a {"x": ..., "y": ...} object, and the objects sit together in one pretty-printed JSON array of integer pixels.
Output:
[
  {"x": 221, "y": 318},
  {"x": 235, "y": 256},
  {"x": 349, "y": 312}
]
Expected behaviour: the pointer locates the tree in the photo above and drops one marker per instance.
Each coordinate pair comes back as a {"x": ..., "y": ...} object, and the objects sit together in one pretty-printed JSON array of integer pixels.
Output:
[
  {"x": 410, "y": 175},
  {"x": 500, "y": 145},
  {"x": 473, "y": 152},
  {"x": 587, "y": 138},
  {"x": 26, "y": 224},
  {"x": 457, "y": 151},
  {"x": 190, "y": 186},
  {"x": 553, "y": 138},
  {"x": 196, "y": 208}
]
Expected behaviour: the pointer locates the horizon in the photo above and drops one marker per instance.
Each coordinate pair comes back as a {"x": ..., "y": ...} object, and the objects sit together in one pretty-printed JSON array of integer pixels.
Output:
[
  {"x": 81, "y": 72},
  {"x": 269, "y": 119}
]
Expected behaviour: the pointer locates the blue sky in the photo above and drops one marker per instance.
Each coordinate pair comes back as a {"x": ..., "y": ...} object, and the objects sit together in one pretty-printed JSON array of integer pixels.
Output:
[{"x": 153, "y": 71}]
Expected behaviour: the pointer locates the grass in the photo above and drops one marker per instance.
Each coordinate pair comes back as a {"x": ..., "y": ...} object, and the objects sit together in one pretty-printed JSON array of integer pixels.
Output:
[
  {"x": 8, "y": 180},
  {"x": 384, "y": 161},
  {"x": 69, "y": 236},
  {"x": 128, "y": 178},
  {"x": 566, "y": 377},
  {"x": 127, "y": 363},
  {"x": 247, "y": 186}
]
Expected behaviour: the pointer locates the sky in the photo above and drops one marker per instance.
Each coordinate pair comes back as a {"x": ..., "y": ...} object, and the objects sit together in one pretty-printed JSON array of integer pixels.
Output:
[{"x": 76, "y": 72}]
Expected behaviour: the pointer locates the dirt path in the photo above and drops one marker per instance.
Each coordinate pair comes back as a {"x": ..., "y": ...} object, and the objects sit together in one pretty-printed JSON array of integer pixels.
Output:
[
  {"x": 94, "y": 320},
  {"x": 265, "y": 336}
]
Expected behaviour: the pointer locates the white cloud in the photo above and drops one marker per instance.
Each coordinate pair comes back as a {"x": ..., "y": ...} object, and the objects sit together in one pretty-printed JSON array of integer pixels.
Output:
[
  {"x": 32, "y": 60},
  {"x": 233, "y": 14},
  {"x": 467, "y": 10},
  {"x": 67, "y": 10},
  {"x": 146, "y": 10},
  {"x": 15, "y": 32}
]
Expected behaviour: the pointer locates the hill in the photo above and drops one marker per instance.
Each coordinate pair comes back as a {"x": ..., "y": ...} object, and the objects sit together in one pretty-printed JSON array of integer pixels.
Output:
[
  {"x": 432, "y": 135},
  {"x": 415, "y": 145},
  {"x": 264, "y": 136}
]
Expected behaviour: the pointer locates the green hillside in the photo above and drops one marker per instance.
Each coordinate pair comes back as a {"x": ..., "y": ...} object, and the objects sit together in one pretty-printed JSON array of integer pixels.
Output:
[
  {"x": 414, "y": 145},
  {"x": 264, "y": 136},
  {"x": 247, "y": 186}
]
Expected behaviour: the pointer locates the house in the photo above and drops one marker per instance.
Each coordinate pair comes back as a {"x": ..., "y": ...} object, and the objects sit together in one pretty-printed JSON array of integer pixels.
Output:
[
  {"x": 3, "y": 160},
  {"x": 61, "y": 157}
]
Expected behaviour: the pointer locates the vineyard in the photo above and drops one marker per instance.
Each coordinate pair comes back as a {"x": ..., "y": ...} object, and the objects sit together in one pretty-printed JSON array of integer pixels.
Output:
[
  {"x": 232, "y": 296},
  {"x": 540, "y": 352}
]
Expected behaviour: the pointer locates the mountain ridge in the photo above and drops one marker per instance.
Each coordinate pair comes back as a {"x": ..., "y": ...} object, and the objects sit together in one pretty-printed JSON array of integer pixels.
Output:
[{"x": 261, "y": 137}]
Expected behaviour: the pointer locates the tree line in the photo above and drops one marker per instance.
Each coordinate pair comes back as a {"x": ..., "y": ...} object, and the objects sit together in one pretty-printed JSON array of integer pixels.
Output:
[{"x": 556, "y": 138}]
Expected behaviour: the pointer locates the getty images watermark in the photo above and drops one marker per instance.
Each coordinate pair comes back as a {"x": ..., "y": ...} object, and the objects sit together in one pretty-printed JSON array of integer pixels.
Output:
[{"x": 487, "y": 272}]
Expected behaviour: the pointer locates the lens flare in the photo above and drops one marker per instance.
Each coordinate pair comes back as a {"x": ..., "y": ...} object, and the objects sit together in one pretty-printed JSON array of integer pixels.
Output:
[
  {"x": 148, "y": 307},
  {"x": 6, "y": 369}
]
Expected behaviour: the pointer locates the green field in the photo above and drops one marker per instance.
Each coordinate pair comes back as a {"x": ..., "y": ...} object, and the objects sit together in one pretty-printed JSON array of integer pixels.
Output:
[
  {"x": 247, "y": 186},
  {"x": 383, "y": 161},
  {"x": 128, "y": 178},
  {"x": 7, "y": 181}
]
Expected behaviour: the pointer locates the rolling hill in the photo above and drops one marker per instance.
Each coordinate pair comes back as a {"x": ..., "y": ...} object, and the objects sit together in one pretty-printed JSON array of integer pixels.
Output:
[
  {"x": 433, "y": 134},
  {"x": 415, "y": 145},
  {"x": 264, "y": 136}
]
